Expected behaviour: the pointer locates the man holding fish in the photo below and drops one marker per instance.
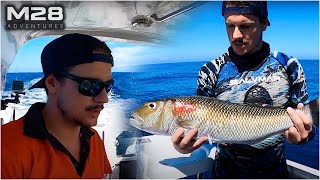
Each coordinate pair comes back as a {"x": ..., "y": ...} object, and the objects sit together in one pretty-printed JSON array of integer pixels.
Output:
[
  {"x": 249, "y": 73},
  {"x": 247, "y": 91}
]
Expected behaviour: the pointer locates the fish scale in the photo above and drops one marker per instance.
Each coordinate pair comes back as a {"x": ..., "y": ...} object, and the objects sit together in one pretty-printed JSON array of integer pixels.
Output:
[
  {"x": 239, "y": 122},
  {"x": 222, "y": 121}
]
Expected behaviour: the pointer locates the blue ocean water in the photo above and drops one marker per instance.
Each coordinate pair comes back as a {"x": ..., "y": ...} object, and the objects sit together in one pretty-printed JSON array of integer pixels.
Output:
[{"x": 158, "y": 81}]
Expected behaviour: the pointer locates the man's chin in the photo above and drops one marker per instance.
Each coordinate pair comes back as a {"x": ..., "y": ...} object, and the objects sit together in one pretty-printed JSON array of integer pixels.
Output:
[
  {"x": 240, "y": 52},
  {"x": 90, "y": 122}
]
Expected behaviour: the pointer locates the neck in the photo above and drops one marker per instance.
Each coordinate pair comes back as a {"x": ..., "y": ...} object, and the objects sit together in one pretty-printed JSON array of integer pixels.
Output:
[
  {"x": 58, "y": 125},
  {"x": 250, "y": 61}
]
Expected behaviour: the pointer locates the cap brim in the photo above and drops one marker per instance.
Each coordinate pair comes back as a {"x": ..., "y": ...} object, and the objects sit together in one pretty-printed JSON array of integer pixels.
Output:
[{"x": 39, "y": 84}]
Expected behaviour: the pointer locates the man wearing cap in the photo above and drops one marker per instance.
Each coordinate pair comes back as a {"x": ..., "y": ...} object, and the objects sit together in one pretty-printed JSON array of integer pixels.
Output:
[
  {"x": 250, "y": 73},
  {"x": 55, "y": 139}
]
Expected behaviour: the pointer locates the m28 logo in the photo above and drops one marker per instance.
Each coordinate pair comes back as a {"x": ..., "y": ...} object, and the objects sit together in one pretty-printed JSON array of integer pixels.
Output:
[{"x": 35, "y": 17}]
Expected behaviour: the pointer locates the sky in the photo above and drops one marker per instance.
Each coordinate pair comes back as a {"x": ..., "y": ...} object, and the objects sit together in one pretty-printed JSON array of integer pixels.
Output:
[{"x": 201, "y": 36}]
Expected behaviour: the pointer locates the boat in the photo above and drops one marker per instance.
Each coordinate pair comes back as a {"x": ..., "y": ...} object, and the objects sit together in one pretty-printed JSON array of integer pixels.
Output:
[{"x": 137, "y": 22}]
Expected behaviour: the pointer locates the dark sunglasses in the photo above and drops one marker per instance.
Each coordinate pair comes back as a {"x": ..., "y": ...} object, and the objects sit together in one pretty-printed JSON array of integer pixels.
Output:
[{"x": 87, "y": 86}]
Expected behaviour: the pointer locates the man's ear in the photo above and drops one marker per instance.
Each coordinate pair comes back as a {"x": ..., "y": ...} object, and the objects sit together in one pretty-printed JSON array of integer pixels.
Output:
[
  {"x": 264, "y": 23},
  {"x": 51, "y": 84}
]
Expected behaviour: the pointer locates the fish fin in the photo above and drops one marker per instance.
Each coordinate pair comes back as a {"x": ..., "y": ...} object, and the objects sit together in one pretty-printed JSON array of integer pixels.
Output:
[
  {"x": 211, "y": 140},
  {"x": 188, "y": 124},
  {"x": 314, "y": 108},
  {"x": 223, "y": 144}
]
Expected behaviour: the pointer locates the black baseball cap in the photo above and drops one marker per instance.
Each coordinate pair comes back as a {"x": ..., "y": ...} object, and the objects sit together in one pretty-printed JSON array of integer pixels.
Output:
[
  {"x": 70, "y": 50},
  {"x": 257, "y": 8}
]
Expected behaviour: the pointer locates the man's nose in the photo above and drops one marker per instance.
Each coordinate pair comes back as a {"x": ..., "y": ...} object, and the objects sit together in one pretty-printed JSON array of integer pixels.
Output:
[
  {"x": 102, "y": 97},
  {"x": 237, "y": 33}
]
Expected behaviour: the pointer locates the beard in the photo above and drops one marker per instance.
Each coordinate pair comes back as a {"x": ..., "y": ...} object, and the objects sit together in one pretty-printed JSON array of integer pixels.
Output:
[
  {"x": 69, "y": 117},
  {"x": 77, "y": 118}
]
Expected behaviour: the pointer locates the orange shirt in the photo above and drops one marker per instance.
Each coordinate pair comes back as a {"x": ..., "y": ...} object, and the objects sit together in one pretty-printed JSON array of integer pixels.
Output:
[{"x": 29, "y": 151}]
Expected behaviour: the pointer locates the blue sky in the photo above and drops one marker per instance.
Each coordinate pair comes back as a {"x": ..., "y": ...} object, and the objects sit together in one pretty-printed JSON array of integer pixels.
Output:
[{"x": 201, "y": 36}]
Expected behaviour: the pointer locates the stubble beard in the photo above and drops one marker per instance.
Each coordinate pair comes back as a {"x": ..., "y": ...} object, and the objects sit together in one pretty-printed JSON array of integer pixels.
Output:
[{"x": 66, "y": 116}]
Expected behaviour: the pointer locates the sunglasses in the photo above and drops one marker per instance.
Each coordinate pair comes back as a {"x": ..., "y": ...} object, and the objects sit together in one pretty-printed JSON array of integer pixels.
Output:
[{"x": 87, "y": 86}]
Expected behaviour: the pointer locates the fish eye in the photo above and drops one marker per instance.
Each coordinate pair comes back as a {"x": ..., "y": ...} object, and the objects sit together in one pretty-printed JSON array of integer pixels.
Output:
[{"x": 152, "y": 105}]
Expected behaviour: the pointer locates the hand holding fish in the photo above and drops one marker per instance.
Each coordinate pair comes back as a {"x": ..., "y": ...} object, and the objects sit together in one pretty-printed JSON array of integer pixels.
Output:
[
  {"x": 187, "y": 144},
  {"x": 222, "y": 122},
  {"x": 299, "y": 133}
]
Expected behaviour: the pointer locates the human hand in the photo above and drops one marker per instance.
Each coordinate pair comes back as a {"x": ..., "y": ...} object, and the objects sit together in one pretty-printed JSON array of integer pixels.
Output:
[
  {"x": 299, "y": 133},
  {"x": 186, "y": 143}
]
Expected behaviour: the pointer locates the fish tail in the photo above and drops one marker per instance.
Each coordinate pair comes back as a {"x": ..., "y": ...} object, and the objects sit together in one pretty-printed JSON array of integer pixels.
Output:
[{"x": 313, "y": 106}]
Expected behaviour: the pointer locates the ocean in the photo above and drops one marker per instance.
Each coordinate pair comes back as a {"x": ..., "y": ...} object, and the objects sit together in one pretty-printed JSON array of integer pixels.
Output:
[{"x": 156, "y": 81}]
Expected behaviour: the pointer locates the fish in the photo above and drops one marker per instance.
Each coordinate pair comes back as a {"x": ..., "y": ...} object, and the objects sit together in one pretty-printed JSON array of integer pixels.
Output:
[{"x": 221, "y": 121}]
